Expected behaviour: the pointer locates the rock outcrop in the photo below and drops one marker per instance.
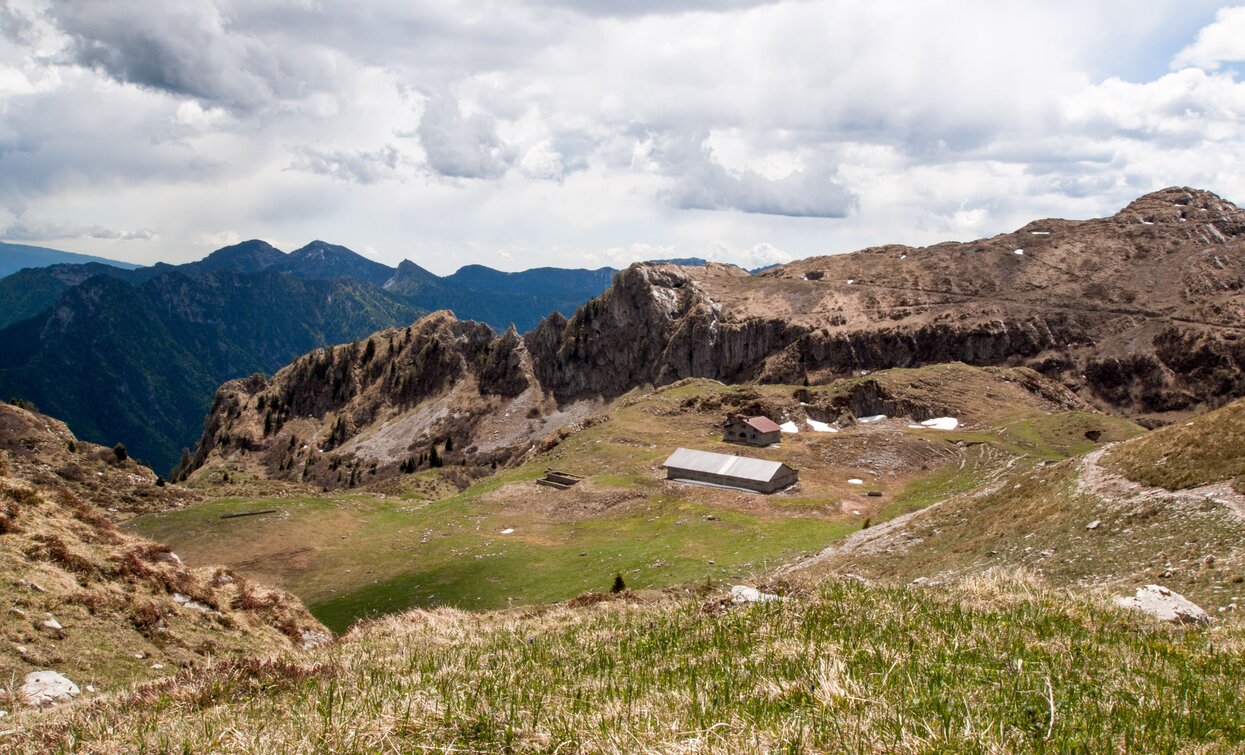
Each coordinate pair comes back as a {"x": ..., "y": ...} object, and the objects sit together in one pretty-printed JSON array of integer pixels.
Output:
[
  {"x": 1165, "y": 605},
  {"x": 1139, "y": 313}
]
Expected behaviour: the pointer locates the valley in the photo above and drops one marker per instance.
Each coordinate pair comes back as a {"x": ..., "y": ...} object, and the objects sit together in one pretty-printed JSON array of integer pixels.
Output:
[
  {"x": 1004, "y": 459},
  {"x": 414, "y": 541}
]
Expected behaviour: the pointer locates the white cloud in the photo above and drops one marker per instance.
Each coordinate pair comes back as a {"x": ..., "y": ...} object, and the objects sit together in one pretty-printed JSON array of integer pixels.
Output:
[
  {"x": 578, "y": 133},
  {"x": 461, "y": 146},
  {"x": 1221, "y": 42}
]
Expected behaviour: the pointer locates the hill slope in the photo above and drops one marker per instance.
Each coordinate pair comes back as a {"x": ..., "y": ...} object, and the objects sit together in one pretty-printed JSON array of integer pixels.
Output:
[
  {"x": 14, "y": 257},
  {"x": 1117, "y": 519},
  {"x": 1139, "y": 312},
  {"x": 139, "y": 364},
  {"x": 1002, "y": 666},
  {"x": 120, "y": 608}
]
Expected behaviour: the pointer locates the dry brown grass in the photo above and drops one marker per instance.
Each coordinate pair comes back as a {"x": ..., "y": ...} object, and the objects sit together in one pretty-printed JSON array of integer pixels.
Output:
[{"x": 1208, "y": 449}]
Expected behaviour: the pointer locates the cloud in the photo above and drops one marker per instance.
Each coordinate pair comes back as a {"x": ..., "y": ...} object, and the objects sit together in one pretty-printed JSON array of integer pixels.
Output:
[
  {"x": 45, "y": 230},
  {"x": 702, "y": 183},
  {"x": 350, "y": 166},
  {"x": 554, "y": 129},
  {"x": 1221, "y": 42},
  {"x": 460, "y": 146},
  {"x": 186, "y": 49}
]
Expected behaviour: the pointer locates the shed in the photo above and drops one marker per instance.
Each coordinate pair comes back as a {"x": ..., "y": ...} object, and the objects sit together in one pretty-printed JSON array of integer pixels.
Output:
[
  {"x": 724, "y": 470},
  {"x": 755, "y": 431}
]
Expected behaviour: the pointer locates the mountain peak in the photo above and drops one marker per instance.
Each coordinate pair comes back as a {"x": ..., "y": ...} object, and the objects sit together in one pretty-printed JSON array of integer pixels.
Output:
[
  {"x": 322, "y": 260},
  {"x": 247, "y": 257}
]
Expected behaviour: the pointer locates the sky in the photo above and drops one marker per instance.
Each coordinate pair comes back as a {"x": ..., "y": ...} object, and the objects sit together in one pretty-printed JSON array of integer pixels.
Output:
[{"x": 582, "y": 133}]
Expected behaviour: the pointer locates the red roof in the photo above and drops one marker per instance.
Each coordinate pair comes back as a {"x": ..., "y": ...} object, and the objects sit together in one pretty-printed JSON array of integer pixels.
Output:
[{"x": 763, "y": 425}]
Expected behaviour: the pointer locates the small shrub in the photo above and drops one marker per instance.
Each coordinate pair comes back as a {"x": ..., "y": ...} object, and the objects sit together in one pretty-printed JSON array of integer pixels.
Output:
[
  {"x": 619, "y": 585},
  {"x": 120, "y": 452}
]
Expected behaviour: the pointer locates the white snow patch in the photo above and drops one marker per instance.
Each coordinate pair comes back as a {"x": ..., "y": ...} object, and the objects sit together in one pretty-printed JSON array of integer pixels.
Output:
[
  {"x": 855, "y": 481},
  {"x": 789, "y": 427},
  {"x": 1147, "y": 222},
  {"x": 1040, "y": 233},
  {"x": 871, "y": 418},
  {"x": 941, "y": 423},
  {"x": 821, "y": 427},
  {"x": 507, "y": 531},
  {"x": 1019, "y": 251},
  {"x": 903, "y": 256}
]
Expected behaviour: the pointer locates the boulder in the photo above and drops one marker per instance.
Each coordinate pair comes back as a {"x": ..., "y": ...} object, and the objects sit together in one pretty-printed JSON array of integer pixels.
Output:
[
  {"x": 744, "y": 594},
  {"x": 313, "y": 639},
  {"x": 1164, "y": 604},
  {"x": 48, "y": 688}
]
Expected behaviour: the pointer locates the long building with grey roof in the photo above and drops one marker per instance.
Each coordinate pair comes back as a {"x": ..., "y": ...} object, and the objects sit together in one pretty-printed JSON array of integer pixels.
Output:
[{"x": 724, "y": 470}]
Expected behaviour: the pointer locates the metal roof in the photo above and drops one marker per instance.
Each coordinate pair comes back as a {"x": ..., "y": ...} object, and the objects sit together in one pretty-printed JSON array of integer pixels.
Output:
[
  {"x": 739, "y": 467},
  {"x": 763, "y": 424}
]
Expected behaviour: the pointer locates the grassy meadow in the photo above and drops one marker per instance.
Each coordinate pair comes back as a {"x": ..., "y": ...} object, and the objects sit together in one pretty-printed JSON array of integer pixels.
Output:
[{"x": 1000, "y": 664}]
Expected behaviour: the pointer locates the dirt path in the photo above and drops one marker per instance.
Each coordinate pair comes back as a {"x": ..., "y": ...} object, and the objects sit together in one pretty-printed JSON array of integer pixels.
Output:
[{"x": 1095, "y": 480}]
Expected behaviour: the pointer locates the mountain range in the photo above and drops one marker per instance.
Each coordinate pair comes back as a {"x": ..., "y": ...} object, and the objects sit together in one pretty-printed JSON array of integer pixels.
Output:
[
  {"x": 1138, "y": 313},
  {"x": 134, "y": 355},
  {"x": 14, "y": 257}
]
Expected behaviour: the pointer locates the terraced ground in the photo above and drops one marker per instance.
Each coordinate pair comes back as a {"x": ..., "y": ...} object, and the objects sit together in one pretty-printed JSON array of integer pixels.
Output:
[{"x": 507, "y": 541}]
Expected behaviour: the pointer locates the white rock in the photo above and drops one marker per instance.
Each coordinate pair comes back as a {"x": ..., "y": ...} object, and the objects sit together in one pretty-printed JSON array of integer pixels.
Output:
[
  {"x": 169, "y": 557},
  {"x": 855, "y": 481},
  {"x": 745, "y": 594},
  {"x": 1166, "y": 605},
  {"x": 313, "y": 639},
  {"x": 507, "y": 531},
  {"x": 47, "y": 688},
  {"x": 52, "y": 624},
  {"x": 1094, "y": 525}
]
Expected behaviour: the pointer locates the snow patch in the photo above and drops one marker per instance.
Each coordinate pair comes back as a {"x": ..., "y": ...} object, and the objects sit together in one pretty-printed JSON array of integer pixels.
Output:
[
  {"x": 789, "y": 427},
  {"x": 855, "y": 481},
  {"x": 507, "y": 531},
  {"x": 850, "y": 281},
  {"x": 871, "y": 418},
  {"x": 1040, "y": 233},
  {"x": 821, "y": 427},
  {"x": 1019, "y": 251},
  {"x": 938, "y": 423}
]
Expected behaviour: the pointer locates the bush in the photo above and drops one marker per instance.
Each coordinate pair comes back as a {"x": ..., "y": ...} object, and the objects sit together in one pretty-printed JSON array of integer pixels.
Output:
[
  {"x": 120, "y": 452},
  {"x": 619, "y": 585}
]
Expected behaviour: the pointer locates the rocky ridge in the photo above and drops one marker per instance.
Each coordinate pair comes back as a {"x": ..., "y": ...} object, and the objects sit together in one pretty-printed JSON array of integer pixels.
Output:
[{"x": 1138, "y": 314}]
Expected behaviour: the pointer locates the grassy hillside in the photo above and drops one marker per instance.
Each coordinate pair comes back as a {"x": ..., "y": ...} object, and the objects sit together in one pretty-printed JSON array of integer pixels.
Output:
[
  {"x": 118, "y": 604},
  {"x": 992, "y": 666},
  {"x": 354, "y": 555},
  {"x": 1208, "y": 449}
]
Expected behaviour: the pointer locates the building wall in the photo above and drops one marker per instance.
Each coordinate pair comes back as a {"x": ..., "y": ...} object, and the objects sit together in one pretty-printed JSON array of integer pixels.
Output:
[
  {"x": 742, "y": 432},
  {"x": 780, "y": 481}
]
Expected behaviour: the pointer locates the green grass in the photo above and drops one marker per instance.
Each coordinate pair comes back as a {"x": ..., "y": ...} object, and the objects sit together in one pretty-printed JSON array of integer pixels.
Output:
[
  {"x": 1208, "y": 449},
  {"x": 374, "y": 556},
  {"x": 1000, "y": 666},
  {"x": 354, "y": 555}
]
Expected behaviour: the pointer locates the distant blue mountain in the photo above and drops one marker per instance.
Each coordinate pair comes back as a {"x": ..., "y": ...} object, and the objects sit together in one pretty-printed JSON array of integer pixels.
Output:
[{"x": 14, "y": 257}]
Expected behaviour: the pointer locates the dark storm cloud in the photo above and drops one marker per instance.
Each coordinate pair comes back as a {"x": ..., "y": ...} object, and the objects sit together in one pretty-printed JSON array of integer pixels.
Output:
[{"x": 184, "y": 48}]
